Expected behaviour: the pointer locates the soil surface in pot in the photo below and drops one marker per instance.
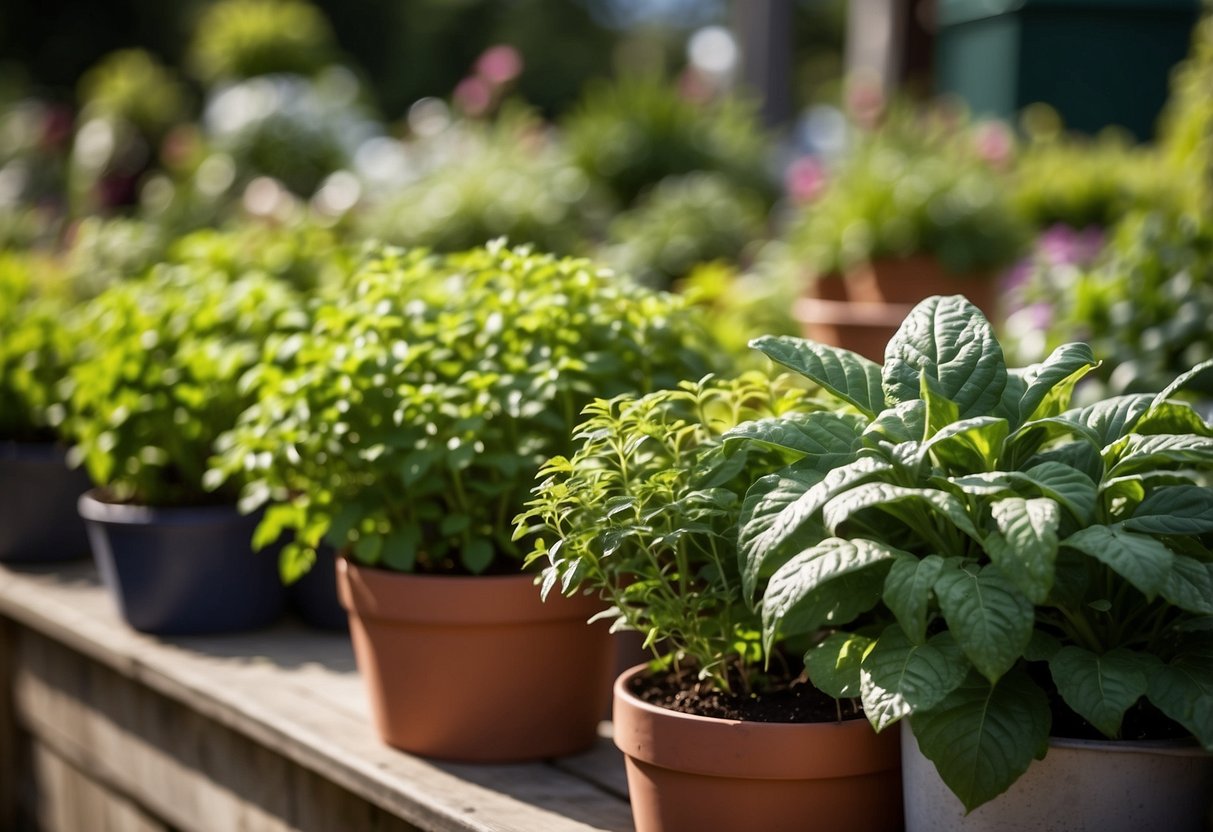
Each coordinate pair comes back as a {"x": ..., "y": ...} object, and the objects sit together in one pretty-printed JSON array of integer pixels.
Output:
[
  {"x": 1142, "y": 720},
  {"x": 781, "y": 700}
]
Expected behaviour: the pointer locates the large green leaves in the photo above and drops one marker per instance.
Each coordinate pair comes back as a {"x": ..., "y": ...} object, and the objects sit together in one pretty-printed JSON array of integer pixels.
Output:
[
  {"x": 990, "y": 618},
  {"x": 1183, "y": 690},
  {"x": 848, "y": 376},
  {"x": 905, "y": 504},
  {"x": 1099, "y": 688},
  {"x": 1112, "y": 418},
  {"x": 907, "y": 592},
  {"x": 983, "y": 736},
  {"x": 829, "y": 438},
  {"x": 1135, "y": 453},
  {"x": 1024, "y": 544},
  {"x": 948, "y": 339},
  {"x": 1139, "y": 559},
  {"x": 829, "y": 583},
  {"x": 1049, "y": 384},
  {"x": 1180, "y": 509},
  {"x": 899, "y": 677}
]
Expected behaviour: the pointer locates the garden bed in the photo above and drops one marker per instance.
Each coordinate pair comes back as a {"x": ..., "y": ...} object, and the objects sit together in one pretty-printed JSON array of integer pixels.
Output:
[{"x": 106, "y": 728}]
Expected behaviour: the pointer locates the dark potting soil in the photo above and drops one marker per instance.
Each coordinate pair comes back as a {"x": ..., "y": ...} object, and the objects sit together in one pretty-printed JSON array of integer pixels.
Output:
[
  {"x": 1142, "y": 722},
  {"x": 781, "y": 700}
]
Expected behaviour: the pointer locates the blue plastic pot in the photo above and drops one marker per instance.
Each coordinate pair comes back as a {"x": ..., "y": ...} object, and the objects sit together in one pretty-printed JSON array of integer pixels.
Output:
[
  {"x": 38, "y": 493},
  {"x": 183, "y": 571},
  {"x": 314, "y": 596}
]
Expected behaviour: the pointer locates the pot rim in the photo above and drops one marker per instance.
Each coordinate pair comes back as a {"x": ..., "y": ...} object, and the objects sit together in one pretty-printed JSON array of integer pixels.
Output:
[
  {"x": 1183, "y": 747},
  {"x": 92, "y": 507},
  {"x": 383, "y": 594},
  {"x": 751, "y": 750}
]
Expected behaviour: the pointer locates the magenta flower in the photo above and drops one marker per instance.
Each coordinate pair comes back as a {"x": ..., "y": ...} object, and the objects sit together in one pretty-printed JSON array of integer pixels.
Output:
[
  {"x": 499, "y": 64},
  {"x": 805, "y": 179}
]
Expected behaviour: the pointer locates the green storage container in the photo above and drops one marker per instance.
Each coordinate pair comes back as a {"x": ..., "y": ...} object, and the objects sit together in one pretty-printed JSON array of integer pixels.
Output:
[{"x": 1097, "y": 62}]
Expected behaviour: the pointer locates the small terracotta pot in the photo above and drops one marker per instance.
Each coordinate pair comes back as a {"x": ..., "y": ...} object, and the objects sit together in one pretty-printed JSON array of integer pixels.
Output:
[
  {"x": 692, "y": 773},
  {"x": 477, "y": 669},
  {"x": 864, "y": 328},
  {"x": 908, "y": 280}
]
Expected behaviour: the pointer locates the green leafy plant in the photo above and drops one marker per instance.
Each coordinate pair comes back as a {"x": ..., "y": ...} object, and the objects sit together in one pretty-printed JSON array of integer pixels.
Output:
[
  {"x": 36, "y": 348},
  {"x": 1187, "y": 120},
  {"x": 1144, "y": 306},
  {"x": 159, "y": 378},
  {"x": 633, "y": 133},
  {"x": 406, "y": 427},
  {"x": 132, "y": 86},
  {"x": 644, "y": 513},
  {"x": 1039, "y": 561},
  {"x": 682, "y": 222},
  {"x": 239, "y": 39},
  {"x": 913, "y": 185}
]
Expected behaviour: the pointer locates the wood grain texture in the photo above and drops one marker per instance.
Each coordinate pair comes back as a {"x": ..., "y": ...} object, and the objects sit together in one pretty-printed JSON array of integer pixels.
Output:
[
  {"x": 290, "y": 705},
  {"x": 68, "y": 801},
  {"x": 9, "y": 742}
]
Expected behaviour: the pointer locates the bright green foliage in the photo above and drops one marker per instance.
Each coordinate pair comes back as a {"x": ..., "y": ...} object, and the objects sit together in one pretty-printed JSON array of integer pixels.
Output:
[
  {"x": 160, "y": 376},
  {"x": 406, "y": 427},
  {"x": 35, "y": 347},
  {"x": 505, "y": 179},
  {"x": 1187, "y": 121},
  {"x": 683, "y": 222},
  {"x": 1000, "y": 528},
  {"x": 238, "y": 39},
  {"x": 633, "y": 133},
  {"x": 645, "y": 513},
  {"x": 911, "y": 186},
  {"x": 132, "y": 86},
  {"x": 1144, "y": 307}
]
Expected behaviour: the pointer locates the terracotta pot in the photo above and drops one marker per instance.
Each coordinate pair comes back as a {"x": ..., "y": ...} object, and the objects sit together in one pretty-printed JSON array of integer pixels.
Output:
[
  {"x": 864, "y": 328},
  {"x": 691, "y": 773},
  {"x": 477, "y": 669},
  {"x": 907, "y": 280},
  {"x": 1080, "y": 786}
]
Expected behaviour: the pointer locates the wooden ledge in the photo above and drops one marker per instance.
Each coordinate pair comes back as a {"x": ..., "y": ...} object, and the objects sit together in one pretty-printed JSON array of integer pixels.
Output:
[{"x": 288, "y": 696}]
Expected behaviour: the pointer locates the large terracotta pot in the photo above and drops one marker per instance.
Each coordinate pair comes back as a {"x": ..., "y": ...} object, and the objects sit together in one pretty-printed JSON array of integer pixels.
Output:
[
  {"x": 908, "y": 280},
  {"x": 477, "y": 669},
  {"x": 864, "y": 328},
  {"x": 691, "y": 773},
  {"x": 1080, "y": 786},
  {"x": 38, "y": 493}
]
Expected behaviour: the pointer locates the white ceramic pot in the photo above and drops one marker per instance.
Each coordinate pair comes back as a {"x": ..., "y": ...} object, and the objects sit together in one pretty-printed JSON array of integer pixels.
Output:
[{"x": 1080, "y": 786}]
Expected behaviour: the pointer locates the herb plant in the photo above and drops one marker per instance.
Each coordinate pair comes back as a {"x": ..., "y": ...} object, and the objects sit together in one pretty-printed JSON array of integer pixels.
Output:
[
  {"x": 406, "y": 426},
  {"x": 1031, "y": 554},
  {"x": 159, "y": 379},
  {"x": 644, "y": 513}
]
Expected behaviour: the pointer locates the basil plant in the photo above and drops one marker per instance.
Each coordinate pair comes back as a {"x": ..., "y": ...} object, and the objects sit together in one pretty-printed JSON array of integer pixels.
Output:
[{"x": 1029, "y": 559}]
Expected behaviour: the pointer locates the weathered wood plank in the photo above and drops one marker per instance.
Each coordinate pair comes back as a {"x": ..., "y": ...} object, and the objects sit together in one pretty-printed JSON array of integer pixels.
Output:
[
  {"x": 295, "y": 693},
  {"x": 9, "y": 745},
  {"x": 68, "y": 801}
]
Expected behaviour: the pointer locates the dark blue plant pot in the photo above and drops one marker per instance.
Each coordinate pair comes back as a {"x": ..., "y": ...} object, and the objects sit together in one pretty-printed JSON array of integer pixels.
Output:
[
  {"x": 183, "y": 571},
  {"x": 314, "y": 596},
  {"x": 38, "y": 493}
]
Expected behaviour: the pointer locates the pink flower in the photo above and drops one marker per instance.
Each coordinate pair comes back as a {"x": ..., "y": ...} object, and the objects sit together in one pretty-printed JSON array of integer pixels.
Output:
[
  {"x": 499, "y": 64},
  {"x": 805, "y": 179},
  {"x": 994, "y": 143},
  {"x": 474, "y": 96}
]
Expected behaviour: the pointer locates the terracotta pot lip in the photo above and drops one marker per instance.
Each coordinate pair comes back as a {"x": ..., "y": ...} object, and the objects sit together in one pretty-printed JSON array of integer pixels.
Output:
[
  {"x": 850, "y": 312},
  {"x": 383, "y": 594},
  {"x": 92, "y": 507}
]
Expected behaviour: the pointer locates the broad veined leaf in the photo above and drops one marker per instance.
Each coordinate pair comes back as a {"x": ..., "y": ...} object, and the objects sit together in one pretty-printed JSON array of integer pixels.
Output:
[
  {"x": 1199, "y": 378},
  {"x": 848, "y": 376},
  {"x": 1178, "y": 509},
  {"x": 1189, "y": 585},
  {"x": 1172, "y": 417},
  {"x": 1032, "y": 436},
  {"x": 833, "y": 664},
  {"x": 1071, "y": 488},
  {"x": 940, "y": 410},
  {"x": 1024, "y": 546},
  {"x": 950, "y": 340},
  {"x": 829, "y": 583},
  {"x": 1083, "y": 457},
  {"x": 970, "y": 445},
  {"x": 907, "y": 593},
  {"x": 899, "y": 677},
  {"x": 1183, "y": 690},
  {"x": 779, "y": 515},
  {"x": 990, "y": 618},
  {"x": 830, "y": 437},
  {"x": 1136, "y": 453},
  {"x": 987, "y": 484},
  {"x": 1052, "y": 381},
  {"x": 1099, "y": 688},
  {"x": 1110, "y": 419},
  {"x": 906, "y": 504},
  {"x": 1141, "y": 560},
  {"x": 1008, "y": 407},
  {"x": 982, "y": 737},
  {"x": 904, "y": 422}
]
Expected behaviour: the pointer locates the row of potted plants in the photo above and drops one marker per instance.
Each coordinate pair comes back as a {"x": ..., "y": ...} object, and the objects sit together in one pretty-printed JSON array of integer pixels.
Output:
[{"x": 940, "y": 540}]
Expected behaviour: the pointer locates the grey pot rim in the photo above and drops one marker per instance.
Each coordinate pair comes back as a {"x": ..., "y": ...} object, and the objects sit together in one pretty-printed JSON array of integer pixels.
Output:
[
  {"x": 1183, "y": 747},
  {"x": 92, "y": 507}
]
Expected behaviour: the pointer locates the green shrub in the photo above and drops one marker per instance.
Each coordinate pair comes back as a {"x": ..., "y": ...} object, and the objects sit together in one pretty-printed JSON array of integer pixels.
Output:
[
  {"x": 407, "y": 425},
  {"x": 237, "y": 39},
  {"x": 132, "y": 86}
]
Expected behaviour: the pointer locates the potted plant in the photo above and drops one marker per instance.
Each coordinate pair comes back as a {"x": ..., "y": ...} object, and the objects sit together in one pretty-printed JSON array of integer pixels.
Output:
[
  {"x": 405, "y": 432},
  {"x": 916, "y": 207},
  {"x": 37, "y": 489},
  {"x": 158, "y": 384},
  {"x": 1047, "y": 568},
  {"x": 721, "y": 730}
]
